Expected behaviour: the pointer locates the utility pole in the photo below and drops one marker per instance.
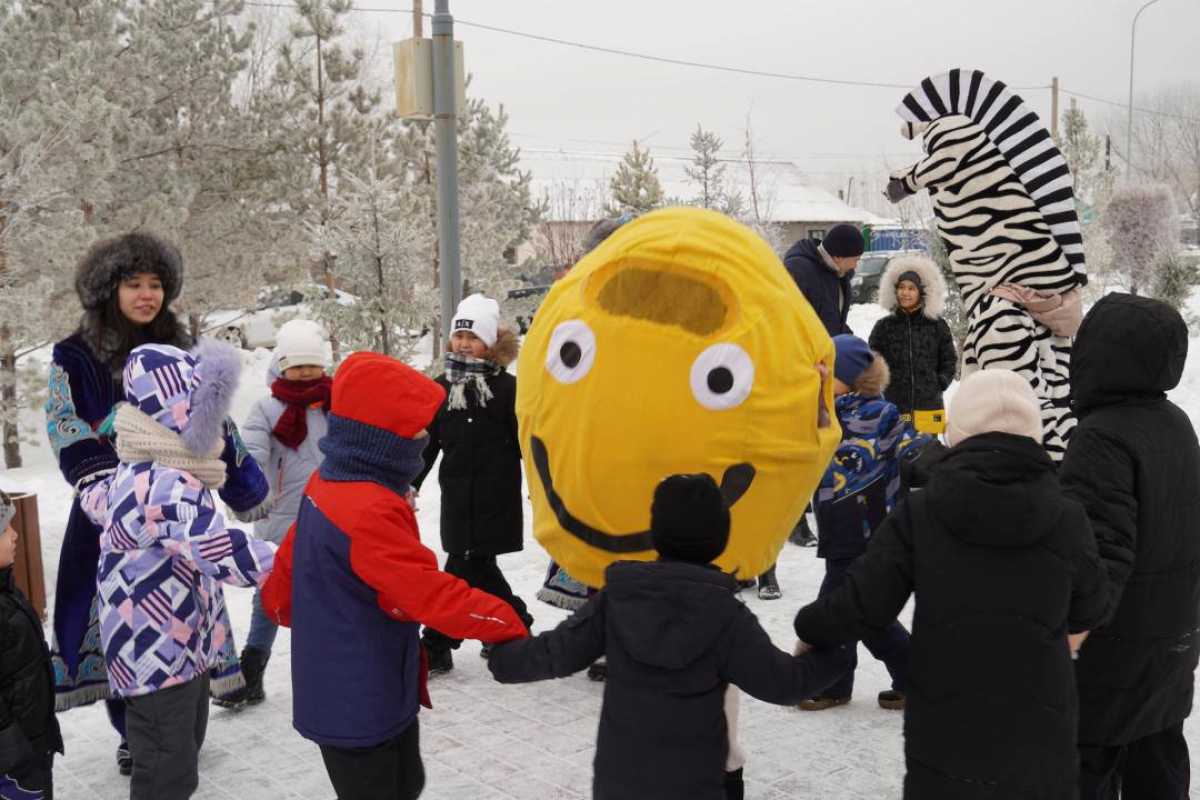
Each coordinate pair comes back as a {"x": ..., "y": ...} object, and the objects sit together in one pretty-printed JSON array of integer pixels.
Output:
[
  {"x": 1054, "y": 108},
  {"x": 445, "y": 116},
  {"x": 418, "y": 20}
]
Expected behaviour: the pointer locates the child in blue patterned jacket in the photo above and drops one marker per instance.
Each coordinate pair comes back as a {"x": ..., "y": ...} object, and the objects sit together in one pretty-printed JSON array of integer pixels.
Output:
[
  {"x": 858, "y": 491},
  {"x": 165, "y": 550}
]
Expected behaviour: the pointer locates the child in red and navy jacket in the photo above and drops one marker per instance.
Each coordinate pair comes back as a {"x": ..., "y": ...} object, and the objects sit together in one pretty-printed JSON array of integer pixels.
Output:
[{"x": 355, "y": 584}]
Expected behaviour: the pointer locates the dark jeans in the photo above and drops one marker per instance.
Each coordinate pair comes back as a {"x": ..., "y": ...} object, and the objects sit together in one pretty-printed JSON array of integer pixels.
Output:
[
  {"x": 1156, "y": 767},
  {"x": 480, "y": 572},
  {"x": 389, "y": 771},
  {"x": 889, "y": 646},
  {"x": 31, "y": 780},
  {"x": 166, "y": 732}
]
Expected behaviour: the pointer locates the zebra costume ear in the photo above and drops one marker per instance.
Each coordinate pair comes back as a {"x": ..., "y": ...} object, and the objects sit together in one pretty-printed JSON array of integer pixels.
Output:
[{"x": 1019, "y": 135}]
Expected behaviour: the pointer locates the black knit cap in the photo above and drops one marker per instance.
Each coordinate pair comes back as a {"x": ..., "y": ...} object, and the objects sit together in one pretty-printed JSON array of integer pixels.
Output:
[
  {"x": 844, "y": 241},
  {"x": 913, "y": 277},
  {"x": 111, "y": 261},
  {"x": 689, "y": 519}
]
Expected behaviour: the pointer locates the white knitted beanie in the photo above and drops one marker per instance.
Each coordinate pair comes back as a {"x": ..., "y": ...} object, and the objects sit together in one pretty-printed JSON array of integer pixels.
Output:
[
  {"x": 993, "y": 401},
  {"x": 300, "y": 342},
  {"x": 480, "y": 315}
]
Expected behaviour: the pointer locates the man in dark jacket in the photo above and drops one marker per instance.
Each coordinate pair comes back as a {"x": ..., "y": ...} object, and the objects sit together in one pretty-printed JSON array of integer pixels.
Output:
[
  {"x": 823, "y": 271},
  {"x": 1134, "y": 464},
  {"x": 1003, "y": 566},
  {"x": 675, "y": 637},
  {"x": 29, "y": 735}
]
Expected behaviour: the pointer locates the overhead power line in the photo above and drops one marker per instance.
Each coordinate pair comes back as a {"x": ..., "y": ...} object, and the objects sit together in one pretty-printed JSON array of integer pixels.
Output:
[{"x": 713, "y": 67}]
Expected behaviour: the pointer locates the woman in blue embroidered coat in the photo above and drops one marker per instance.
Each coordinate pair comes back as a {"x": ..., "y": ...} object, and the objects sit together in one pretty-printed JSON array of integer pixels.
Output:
[{"x": 125, "y": 286}]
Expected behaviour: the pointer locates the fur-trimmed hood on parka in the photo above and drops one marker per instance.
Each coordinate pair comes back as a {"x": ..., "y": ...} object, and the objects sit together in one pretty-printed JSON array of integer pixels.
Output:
[
  {"x": 504, "y": 351},
  {"x": 934, "y": 291}
]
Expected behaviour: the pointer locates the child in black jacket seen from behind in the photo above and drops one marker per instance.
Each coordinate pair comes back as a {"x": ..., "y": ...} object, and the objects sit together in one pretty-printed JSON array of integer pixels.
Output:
[
  {"x": 676, "y": 637},
  {"x": 29, "y": 735}
]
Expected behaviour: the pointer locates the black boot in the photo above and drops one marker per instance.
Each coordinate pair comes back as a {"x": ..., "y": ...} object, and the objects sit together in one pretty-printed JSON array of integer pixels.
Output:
[
  {"x": 735, "y": 788},
  {"x": 440, "y": 661},
  {"x": 254, "y": 665},
  {"x": 768, "y": 586},
  {"x": 124, "y": 760},
  {"x": 802, "y": 535}
]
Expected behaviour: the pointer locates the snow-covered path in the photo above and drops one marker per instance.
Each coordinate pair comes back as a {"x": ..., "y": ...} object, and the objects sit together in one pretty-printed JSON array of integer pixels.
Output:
[{"x": 483, "y": 740}]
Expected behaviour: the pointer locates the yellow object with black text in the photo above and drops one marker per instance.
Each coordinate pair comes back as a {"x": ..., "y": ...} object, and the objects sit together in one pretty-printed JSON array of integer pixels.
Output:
[
  {"x": 679, "y": 345},
  {"x": 931, "y": 422}
]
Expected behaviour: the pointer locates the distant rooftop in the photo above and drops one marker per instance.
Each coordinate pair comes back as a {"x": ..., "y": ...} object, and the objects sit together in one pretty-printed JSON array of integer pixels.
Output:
[{"x": 576, "y": 183}]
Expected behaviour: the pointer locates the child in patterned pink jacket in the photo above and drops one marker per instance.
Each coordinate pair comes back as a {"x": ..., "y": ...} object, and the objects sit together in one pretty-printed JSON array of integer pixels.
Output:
[{"x": 165, "y": 550}]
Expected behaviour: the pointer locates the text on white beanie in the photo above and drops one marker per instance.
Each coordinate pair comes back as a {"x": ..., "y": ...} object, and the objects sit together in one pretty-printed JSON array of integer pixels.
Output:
[{"x": 480, "y": 315}]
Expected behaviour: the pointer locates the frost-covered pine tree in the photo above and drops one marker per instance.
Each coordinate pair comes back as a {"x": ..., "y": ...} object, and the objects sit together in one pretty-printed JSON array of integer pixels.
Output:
[
  {"x": 707, "y": 172},
  {"x": 635, "y": 186},
  {"x": 378, "y": 233},
  {"x": 324, "y": 111},
  {"x": 496, "y": 210}
]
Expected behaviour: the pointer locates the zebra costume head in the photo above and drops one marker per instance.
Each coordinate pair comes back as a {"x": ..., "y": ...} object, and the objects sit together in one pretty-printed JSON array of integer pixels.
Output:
[{"x": 1018, "y": 134}]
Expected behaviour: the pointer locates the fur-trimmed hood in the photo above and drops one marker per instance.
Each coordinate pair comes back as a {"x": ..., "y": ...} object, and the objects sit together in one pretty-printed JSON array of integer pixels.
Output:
[
  {"x": 873, "y": 380},
  {"x": 504, "y": 351},
  {"x": 933, "y": 294},
  {"x": 186, "y": 392}
]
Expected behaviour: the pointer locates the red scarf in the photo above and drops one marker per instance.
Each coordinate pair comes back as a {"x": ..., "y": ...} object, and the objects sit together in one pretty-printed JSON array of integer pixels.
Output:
[{"x": 292, "y": 427}]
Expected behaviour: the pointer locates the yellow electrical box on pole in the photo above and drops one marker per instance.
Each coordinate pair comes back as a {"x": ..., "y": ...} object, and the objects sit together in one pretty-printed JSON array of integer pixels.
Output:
[{"x": 414, "y": 78}]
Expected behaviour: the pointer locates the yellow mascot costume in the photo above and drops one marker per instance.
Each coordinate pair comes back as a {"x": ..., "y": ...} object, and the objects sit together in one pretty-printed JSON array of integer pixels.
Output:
[{"x": 679, "y": 345}]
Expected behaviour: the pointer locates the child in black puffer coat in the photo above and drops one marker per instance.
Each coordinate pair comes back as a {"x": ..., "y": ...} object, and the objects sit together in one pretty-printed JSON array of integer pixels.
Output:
[
  {"x": 29, "y": 735},
  {"x": 475, "y": 431},
  {"x": 915, "y": 340}
]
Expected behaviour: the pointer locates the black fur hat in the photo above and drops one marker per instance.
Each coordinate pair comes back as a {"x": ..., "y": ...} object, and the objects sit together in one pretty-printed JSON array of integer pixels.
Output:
[{"x": 110, "y": 261}]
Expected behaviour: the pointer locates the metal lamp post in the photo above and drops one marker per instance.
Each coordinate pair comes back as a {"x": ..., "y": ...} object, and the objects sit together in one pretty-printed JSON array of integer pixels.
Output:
[{"x": 1129, "y": 120}]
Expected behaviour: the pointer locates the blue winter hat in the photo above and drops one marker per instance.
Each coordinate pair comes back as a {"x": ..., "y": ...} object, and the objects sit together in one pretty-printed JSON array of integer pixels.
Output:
[{"x": 853, "y": 357}]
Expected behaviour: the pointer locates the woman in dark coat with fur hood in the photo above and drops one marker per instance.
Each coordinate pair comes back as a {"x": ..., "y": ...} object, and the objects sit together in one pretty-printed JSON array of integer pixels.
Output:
[
  {"x": 125, "y": 286},
  {"x": 475, "y": 431},
  {"x": 915, "y": 340}
]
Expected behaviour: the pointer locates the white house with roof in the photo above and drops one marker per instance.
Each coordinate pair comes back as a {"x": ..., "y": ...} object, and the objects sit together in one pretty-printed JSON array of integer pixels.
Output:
[{"x": 575, "y": 186}]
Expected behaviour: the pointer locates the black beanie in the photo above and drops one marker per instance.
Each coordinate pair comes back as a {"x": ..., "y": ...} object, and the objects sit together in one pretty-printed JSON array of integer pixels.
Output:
[
  {"x": 688, "y": 519},
  {"x": 843, "y": 241},
  {"x": 913, "y": 277}
]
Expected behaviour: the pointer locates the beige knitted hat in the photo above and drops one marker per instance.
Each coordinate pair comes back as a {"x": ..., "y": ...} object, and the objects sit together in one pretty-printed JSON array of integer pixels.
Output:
[{"x": 993, "y": 401}]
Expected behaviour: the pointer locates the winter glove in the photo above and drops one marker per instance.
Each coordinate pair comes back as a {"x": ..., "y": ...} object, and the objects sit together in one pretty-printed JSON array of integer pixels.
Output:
[
  {"x": 257, "y": 513},
  {"x": 896, "y": 190}
]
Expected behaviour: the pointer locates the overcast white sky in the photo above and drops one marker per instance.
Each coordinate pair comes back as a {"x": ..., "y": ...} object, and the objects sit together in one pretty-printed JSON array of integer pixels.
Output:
[{"x": 562, "y": 97}]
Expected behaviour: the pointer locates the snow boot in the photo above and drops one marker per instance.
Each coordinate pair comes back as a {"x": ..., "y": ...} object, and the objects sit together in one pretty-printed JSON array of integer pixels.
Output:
[
  {"x": 768, "y": 586},
  {"x": 821, "y": 703},
  {"x": 802, "y": 535},
  {"x": 891, "y": 700},
  {"x": 233, "y": 701},
  {"x": 598, "y": 671},
  {"x": 440, "y": 662},
  {"x": 124, "y": 760},
  {"x": 254, "y": 664},
  {"x": 485, "y": 650},
  {"x": 747, "y": 584}
]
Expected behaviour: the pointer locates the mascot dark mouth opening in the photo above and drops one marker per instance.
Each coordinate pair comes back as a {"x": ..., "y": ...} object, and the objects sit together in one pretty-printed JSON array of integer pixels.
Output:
[{"x": 734, "y": 483}]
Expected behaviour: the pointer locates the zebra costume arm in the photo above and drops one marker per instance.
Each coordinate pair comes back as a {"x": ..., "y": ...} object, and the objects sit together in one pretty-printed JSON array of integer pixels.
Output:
[{"x": 946, "y": 146}]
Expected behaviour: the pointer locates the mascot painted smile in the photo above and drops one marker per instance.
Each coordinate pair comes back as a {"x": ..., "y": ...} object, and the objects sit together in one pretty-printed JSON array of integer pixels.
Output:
[{"x": 679, "y": 345}]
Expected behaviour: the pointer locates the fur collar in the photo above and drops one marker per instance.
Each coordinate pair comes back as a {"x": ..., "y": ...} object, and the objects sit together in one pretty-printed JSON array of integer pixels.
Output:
[{"x": 931, "y": 277}]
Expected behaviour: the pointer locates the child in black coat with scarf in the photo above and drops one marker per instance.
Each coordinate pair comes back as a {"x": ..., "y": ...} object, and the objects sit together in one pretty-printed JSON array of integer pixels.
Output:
[{"x": 475, "y": 431}]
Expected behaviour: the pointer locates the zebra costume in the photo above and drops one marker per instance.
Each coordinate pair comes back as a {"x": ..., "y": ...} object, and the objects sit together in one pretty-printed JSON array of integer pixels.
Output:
[{"x": 1005, "y": 210}]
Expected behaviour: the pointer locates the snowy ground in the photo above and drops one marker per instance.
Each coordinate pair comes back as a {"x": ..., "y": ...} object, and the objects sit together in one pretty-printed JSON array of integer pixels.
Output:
[{"x": 483, "y": 740}]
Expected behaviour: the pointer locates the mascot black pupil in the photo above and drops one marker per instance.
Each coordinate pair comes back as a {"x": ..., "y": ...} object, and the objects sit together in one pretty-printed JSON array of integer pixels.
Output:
[
  {"x": 570, "y": 354},
  {"x": 720, "y": 380}
]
